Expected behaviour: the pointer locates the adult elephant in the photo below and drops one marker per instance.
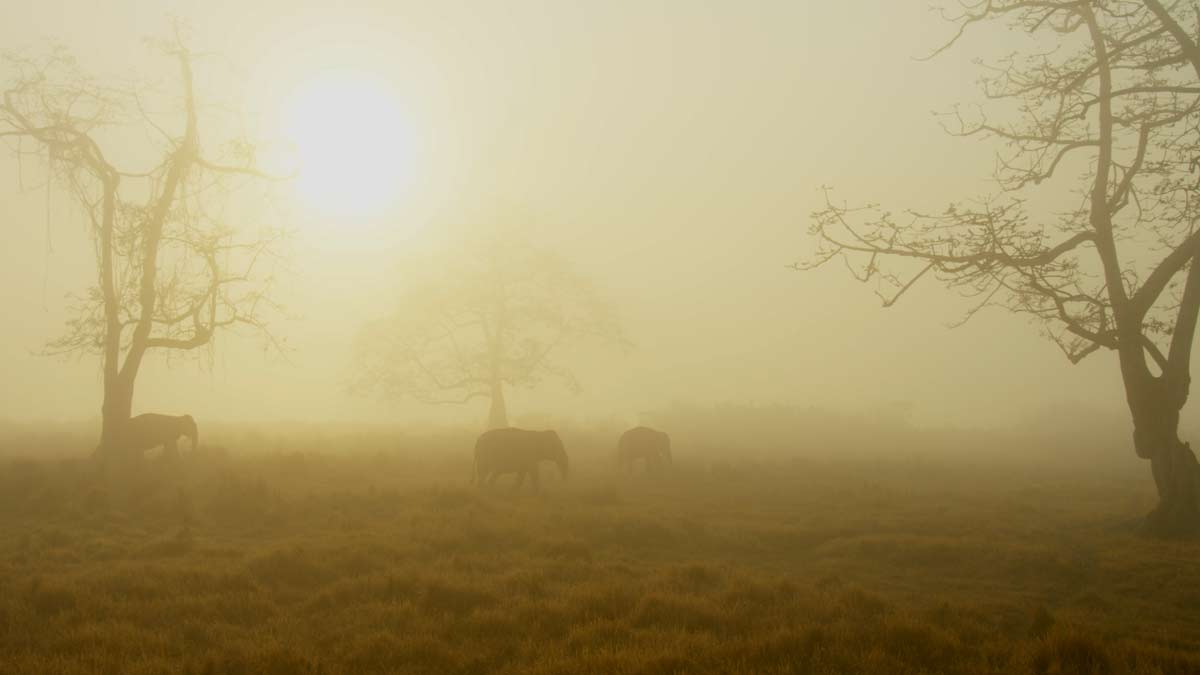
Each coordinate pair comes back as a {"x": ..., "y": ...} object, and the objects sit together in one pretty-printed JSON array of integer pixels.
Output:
[
  {"x": 519, "y": 451},
  {"x": 152, "y": 430},
  {"x": 651, "y": 446}
]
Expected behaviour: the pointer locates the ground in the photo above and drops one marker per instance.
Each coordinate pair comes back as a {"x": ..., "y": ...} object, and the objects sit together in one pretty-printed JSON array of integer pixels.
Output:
[{"x": 337, "y": 560}]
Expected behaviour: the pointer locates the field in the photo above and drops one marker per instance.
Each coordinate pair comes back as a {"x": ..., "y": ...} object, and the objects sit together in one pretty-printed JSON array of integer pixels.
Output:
[{"x": 362, "y": 556}]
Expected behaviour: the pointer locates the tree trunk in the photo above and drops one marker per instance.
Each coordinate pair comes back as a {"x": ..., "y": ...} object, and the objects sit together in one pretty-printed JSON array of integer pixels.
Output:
[
  {"x": 1177, "y": 477},
  {"x": 1155, "y": 403},
  {"x": 1173, "y": 465},
  {"x": 498, "y": 414},
  {"x": 115, "y": 412},
  {"x": 117, "y": 407}
]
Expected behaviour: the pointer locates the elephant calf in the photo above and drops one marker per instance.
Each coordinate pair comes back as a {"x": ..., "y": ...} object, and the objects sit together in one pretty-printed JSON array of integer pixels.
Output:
[
  {"x": 152, "y": 430},
  {"x": 518, "y": 451},
  {"x": 651, "y": 446}
]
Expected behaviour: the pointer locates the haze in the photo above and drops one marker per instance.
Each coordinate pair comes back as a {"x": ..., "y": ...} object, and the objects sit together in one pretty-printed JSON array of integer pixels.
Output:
[
  {"x": 629, "y": 336},
  {"x": 671, "y": 151}
]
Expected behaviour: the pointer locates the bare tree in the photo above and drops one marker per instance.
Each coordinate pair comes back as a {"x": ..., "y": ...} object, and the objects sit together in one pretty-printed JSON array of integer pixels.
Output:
[
  {"x": 491, "y": 314},
  {"x": 1110, "y": 98},
  {"x": 171, "y": 272}
]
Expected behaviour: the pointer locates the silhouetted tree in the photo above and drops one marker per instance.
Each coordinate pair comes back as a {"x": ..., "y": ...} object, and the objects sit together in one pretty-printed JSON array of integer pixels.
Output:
[
  {"x": 1107, "y": 92},
  {"x": 490, "y": 314},
  {"x": 171, "y": 272}
]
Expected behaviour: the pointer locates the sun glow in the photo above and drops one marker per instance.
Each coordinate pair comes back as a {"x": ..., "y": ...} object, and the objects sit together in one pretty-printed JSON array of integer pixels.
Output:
[{"x": 352, "y": 152}]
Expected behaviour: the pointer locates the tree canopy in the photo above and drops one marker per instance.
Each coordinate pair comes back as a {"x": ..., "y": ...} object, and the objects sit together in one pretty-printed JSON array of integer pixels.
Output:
[{"x": 482, "y": 315}]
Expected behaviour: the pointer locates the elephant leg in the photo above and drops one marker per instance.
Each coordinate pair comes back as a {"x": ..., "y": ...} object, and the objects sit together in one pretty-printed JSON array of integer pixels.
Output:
[
  {"x": 171, "y": 450},
  {"x": 533, "y": 474}
]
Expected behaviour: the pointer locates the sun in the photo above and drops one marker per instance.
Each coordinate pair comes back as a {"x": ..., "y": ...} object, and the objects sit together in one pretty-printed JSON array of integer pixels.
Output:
[{"x": 351, "y": 149}]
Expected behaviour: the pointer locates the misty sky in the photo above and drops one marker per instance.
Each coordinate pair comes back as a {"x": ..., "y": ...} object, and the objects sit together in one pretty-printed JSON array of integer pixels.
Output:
[{"x": 673, "y": 152}]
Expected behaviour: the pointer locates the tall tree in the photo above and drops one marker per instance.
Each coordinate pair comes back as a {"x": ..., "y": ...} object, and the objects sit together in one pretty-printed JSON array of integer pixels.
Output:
[
  {"x": 171, "y": 272},
  {"x": 1106, "y": 93},
  {"x": 489, "y": 314}
]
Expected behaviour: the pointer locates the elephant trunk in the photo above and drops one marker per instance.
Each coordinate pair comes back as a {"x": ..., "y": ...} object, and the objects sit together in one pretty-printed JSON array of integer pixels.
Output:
[
  {"x": 191, "y": 431},
  {"x": 562, "y": 465}
]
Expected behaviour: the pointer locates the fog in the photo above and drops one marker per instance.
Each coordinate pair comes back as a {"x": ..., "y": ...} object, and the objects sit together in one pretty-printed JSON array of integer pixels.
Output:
[
  {"x": 646, "y": 336},
  {"x": 671, "y": 152}
]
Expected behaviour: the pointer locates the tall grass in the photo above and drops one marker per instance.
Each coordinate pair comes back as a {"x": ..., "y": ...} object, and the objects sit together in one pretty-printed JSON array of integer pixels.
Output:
[{"x": 367, "y": 553}]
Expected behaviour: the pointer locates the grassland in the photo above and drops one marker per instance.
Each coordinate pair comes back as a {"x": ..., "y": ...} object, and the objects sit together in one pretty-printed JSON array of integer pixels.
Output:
[{"x": 337, "y": 556}]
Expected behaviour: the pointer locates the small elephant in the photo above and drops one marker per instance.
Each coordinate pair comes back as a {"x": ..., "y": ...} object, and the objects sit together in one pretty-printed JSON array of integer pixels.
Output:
[
  {"x": 152, "y": 430},
  {"x": 518, "y": 451},
  {"x": 651, "y": 446}
]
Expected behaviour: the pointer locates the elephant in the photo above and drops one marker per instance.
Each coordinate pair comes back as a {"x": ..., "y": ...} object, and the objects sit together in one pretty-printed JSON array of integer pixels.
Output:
[
  {"x": 151, "y": 430},
  {"x": 653, "y": 447},
  {"x": 518, "y": 451}
]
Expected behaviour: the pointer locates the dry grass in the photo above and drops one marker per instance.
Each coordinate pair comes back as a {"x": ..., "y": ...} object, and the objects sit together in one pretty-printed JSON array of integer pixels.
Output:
[{"x": 360, "y": 561}]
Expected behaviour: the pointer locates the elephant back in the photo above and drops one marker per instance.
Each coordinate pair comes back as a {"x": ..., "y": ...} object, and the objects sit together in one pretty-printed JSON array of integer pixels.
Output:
[
  {"x": 510, "y": 448},
  {"x": 643, "y": 439}
]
